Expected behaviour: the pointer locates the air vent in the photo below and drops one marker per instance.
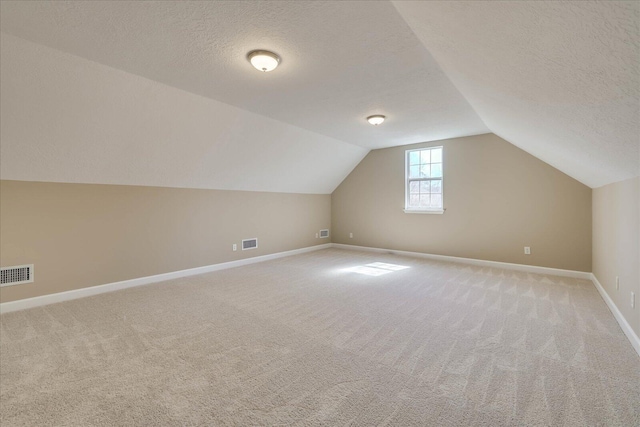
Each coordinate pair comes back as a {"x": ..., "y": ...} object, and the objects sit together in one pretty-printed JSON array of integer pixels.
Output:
[
  {"x": 249, "y": 244},
  {"x": 16, "y": 275},
  {"x": 324, "y": 233}
]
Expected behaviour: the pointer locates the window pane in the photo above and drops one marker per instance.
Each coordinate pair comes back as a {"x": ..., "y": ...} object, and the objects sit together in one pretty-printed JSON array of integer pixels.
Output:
[
  {"x": 425, "y": 156},
  {"x": 436, "y": 170},
  {"x": 414, "y": 157},
  {"x": 436, "y": 155},
  {"x": 424, "y": 178}
]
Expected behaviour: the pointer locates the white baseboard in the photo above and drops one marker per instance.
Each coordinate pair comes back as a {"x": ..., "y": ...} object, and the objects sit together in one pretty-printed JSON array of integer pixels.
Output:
[
  {"x": 626, "y": 327},
  {"x": 493, "y": 264},
  {"x": 22, "y": 304}
]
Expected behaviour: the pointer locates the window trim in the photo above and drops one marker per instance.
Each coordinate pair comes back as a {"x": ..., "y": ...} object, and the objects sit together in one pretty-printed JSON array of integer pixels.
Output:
[{"x": 407, "y": 209}]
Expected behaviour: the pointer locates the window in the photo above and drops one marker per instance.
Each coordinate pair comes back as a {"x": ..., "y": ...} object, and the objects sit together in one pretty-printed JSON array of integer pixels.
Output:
[{"x": 423, "y": 183}]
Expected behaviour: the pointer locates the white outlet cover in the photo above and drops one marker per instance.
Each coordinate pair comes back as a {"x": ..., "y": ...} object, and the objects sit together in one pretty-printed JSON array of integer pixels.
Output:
[{"x": 633, "y": 300}]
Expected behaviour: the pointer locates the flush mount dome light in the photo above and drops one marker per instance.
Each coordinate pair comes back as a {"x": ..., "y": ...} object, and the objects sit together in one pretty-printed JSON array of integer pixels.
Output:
[
  {"x": 263, "y": 60},
  {"x": 376, "y": 120}
]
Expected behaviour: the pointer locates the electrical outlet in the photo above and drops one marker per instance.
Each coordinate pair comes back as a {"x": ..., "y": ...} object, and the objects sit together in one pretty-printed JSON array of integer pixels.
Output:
[
  {"x": 351, "y": 235},
  {"x": 316, "y": 235},
  {"x": 235, "y": 247},
  {"x": 617, "y": 283},
  {"x": 527, "y": 250},
  {"x": 633, "y": 300}
]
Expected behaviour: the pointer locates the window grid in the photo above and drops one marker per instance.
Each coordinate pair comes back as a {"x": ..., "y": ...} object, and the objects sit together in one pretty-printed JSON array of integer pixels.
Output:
[{"x": 424, "y": 179}]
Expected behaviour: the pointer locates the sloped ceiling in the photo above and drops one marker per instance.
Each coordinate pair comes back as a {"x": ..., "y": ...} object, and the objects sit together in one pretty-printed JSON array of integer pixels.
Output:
[
  {"x": 560, "y": 80},
  {"x": 67, "y": 119},
  {"x": 341, "y": 61}
]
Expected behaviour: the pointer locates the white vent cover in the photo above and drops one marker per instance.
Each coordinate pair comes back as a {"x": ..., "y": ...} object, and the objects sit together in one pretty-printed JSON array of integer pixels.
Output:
[
  {"x": 16, "y": 275},
  {"x": 324, "y": 233},
  {"x": 249, "y": 244}
]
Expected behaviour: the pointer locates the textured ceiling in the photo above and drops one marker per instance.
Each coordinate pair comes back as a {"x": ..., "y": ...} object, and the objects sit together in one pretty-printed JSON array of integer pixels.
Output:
[
  {"x": 341, "y": 61},
  {"x": 67, "y": 119},
  {"x": 561, "y": 80}
]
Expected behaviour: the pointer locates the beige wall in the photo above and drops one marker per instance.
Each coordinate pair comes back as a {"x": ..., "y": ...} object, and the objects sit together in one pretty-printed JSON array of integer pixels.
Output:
[
  {"x": 498, "y": 199},
  {"x": 81, "y": 235},
  {"x": 616, "y": 252}
]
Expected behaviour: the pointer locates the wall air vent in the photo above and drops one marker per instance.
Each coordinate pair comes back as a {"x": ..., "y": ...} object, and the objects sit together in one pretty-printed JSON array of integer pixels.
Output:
[
  {"x": 16, "y": 275},
  {"x": 249, "y": 244},
  {"x": 324, "y": 233}
]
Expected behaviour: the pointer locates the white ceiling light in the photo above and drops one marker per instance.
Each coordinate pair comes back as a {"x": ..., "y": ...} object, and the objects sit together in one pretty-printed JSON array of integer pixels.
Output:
[
  {"x": 376, "y": 120},
  {"x": 263, "y": 60}
]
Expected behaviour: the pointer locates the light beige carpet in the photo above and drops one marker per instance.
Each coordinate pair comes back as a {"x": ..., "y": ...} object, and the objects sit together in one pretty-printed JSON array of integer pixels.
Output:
[{"x": 302, "y": 341}]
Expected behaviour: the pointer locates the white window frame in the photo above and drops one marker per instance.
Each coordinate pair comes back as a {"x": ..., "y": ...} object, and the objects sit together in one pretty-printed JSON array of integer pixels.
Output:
[{"x": 407, "y": 180}]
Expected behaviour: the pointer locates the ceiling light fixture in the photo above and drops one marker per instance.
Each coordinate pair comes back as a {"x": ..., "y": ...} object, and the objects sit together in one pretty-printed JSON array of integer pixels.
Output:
[
  {"x": 376, "y": 120},
  {"x": 263, "y": 60}
]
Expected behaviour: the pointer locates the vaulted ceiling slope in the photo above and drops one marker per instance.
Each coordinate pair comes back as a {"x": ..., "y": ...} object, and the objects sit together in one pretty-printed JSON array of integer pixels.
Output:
[
  {"x": 341, "y": 61},
  {"x": 560, "y": 80},
  {"x": 68, "y": 119}
]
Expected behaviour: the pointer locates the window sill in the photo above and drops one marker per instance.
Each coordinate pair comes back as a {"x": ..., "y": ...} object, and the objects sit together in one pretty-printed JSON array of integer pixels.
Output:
[{"x": 424, "y": 211}]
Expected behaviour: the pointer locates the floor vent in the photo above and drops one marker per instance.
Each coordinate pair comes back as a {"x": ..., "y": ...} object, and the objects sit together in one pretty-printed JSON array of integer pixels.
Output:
[
  {"x": 324, "y": 233},
  {"x": 16, "y": 275},
  {"x": 249, "y": 244}
]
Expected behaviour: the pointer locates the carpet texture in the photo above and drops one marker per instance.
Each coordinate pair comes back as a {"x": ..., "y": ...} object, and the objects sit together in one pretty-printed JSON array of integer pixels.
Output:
[{"x": 305, "y": 341}]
